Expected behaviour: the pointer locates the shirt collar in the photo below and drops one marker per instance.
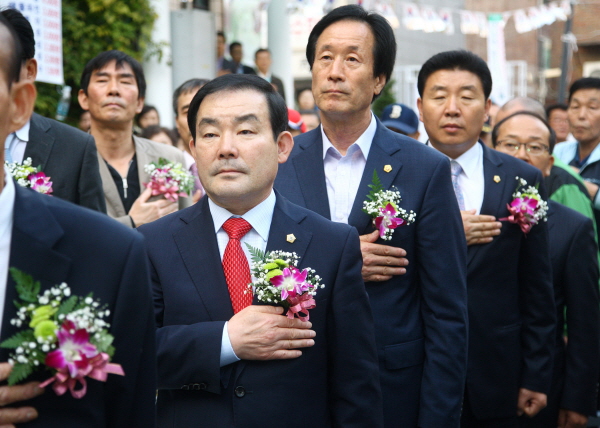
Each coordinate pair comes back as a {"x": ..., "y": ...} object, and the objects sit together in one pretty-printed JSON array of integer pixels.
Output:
[
  {"x": 363, "y": 142},
  {"x": 470, "y": 160},
  {"x": 259, "y": 217},
  {"x": 7, "y": 202},
  {"x": 23, "y": 133},
  {"x": 267, "y": 76}
]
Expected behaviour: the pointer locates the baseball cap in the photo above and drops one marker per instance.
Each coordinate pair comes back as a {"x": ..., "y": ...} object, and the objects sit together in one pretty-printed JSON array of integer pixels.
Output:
[
  {"x": 400, "y": 117},
  {"x": 295, "y": 120}
]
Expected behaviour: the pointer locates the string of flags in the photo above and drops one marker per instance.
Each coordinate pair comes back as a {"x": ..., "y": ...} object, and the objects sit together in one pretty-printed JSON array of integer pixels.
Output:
[{"x": 440, "y": 20}]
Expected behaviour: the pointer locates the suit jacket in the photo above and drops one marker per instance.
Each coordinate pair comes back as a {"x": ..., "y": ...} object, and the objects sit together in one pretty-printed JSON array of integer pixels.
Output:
[
  {"x": 333, "y": 383},
  {"x": 68, "y": 156},
  {"x": 420, "y": 317},
  {"x": 147, "y": 151},
  {"x": 58, "y": 242},
  {"x": 512, "y": 314},
  {"x": 573, "y": 253}
]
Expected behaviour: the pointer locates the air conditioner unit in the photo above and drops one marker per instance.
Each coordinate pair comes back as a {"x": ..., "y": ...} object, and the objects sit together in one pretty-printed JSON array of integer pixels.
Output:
[{"x": 591, "y": 69}]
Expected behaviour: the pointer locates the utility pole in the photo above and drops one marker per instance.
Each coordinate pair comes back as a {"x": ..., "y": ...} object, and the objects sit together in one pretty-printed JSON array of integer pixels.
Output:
[{"x": 567, "y": 39}]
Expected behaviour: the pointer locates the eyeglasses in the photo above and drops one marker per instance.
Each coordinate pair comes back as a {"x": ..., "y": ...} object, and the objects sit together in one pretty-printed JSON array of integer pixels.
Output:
[{"x": 513, "y": 146}]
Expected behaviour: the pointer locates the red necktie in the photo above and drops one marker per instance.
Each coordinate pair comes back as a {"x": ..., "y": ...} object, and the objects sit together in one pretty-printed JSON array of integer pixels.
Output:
[{"x": 235, "y": 264}]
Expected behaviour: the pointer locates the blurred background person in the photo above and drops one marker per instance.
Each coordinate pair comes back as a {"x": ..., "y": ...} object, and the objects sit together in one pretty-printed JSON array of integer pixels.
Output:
[
  {"x": 148, "y": 116},
  {"x": 402, "y": 119},
  {"x": 85, "y": 121},
  {"x": 305, "y": 99},
  {"x": 311, "y": 119},
  {"x": 160, "y": 135},
  {"x": 558, "y": 118},
  {"x": 295, "y": 125},
  {"x": 223, "y": 64},
  {"x": 263, "y": 61},
  {"x": 237, "y": 54}
]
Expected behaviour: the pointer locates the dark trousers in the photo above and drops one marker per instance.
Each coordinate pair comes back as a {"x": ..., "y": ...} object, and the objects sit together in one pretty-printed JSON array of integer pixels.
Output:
[{"x": 468, "y": 419}]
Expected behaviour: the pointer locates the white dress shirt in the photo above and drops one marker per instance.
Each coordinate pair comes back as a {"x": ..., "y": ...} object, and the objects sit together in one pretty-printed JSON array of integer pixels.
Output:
[
  {"x": 7, "y": 208},
  {"x": 343, "y": 173},
  {"x": 259, "y": 218},
  {"x": 471, "y": 180},
  {"x": 17, "y": 143}
]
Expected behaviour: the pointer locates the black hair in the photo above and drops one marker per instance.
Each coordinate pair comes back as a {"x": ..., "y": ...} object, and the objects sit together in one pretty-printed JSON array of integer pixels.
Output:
[
  {"x": 11, "y": 65},
  {"x": 558, "y": 106},
  {"x": 384, "y": 49},
  {"x": 278, "y": 113},
  {"x": 222, "y": 34},
  {"x": 104, "y": 58},
  {"x": 152, "y": 130},
  {"x": 584, "y": 83},
  {"x": 185, "y": 88},
  {"x": 551, "y": 139},
  {"x": 261, "y": 50},
  {"x": 23, "y": 30},
  {"x": 456, "y": 60},
  {"x": 233, "y": 45}
]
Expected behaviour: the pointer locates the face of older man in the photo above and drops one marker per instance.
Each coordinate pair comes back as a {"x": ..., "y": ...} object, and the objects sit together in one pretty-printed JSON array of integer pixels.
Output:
[
  {"x": 342, "y": 72},
  {"x": 236, "y": 154},
  {"x": 584, "y": 115},
  {"x": 526, "y": 138}
]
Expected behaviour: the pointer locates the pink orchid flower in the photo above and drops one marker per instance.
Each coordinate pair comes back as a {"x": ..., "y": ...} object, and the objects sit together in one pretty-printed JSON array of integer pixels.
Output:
[
  {"x": 40, "y": 183},
  {"x": 525, "y": 205},
  {"x": 292, "y": 282},
  {"x": 74, "y": 350},
  {"x": 387, "y": 220}
]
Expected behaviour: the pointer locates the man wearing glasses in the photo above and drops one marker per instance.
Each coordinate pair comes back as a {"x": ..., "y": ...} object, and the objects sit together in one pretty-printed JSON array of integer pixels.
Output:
[{"x": 573, "y": 250}]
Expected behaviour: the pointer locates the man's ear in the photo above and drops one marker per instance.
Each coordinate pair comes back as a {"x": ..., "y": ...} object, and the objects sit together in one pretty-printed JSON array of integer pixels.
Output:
[
  {"x": 285, "y": 144},
  {"x": 32, "y": 68},
  {"x": 379, "y": 84},
  {"x": 83, "y": 100},
  {"x": 420, "y": 108},
  {"x": 22, "y": 100},
  {"x": 140, "y": 105}
]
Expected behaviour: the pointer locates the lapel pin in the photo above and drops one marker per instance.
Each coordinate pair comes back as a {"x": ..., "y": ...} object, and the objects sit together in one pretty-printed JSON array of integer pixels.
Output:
[
  {"x": 290, "y": 238},
  {"x": 387, "y": 168},
  {"x": 496, "y": 178}
]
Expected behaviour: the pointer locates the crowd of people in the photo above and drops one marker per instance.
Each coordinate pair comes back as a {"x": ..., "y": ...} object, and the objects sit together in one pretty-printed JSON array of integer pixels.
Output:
[{"x": 470, "y": 298}]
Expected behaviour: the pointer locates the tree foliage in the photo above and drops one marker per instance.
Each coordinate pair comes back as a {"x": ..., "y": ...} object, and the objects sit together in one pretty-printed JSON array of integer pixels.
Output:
[
  {"x": 90, "y": 27},
  {"x": 386, "y": 98}
]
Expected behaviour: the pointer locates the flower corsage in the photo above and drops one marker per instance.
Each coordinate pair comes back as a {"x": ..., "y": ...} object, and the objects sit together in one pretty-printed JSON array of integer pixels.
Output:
[
  {"x": 527, "y": 208},
  {"x": 169, "y": 179},
  {"x": 30, "y": 176},
  {"x": 280, "y": 282},
  {"x": 383, "y": 207},
  {"x": 66, "y": 334}
]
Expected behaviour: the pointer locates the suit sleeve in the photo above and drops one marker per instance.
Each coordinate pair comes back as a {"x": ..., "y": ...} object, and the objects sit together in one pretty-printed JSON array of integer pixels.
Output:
[
  {"x": 130, "y": 399},
  {"x": 583, "y": 322},
  {"x": 91, "y": 194},
  {"x": 354, "y": 380},
  {"x": 442, "y": 268},
  {"x": 538, "y": 313},
  {"x": 186, "y": 354}
]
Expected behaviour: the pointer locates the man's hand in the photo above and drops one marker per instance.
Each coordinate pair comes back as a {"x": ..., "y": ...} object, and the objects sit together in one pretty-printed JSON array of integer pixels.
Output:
[
  {"x": 12, "y": 394},
  {"x": 380, "y": 262},
  {"x": 530, "y": 402},
  {"x": 591, "y": 188},
  {"x": 262, "y": 333},
  {"x": 143, "y": 212},
  {"x": 479, "y": 229},
  {"x": 571, "y": 419}
]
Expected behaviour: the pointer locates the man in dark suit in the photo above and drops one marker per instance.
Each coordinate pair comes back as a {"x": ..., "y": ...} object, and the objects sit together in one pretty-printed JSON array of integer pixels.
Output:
[
  {"x": 237, "y": 54},
  {"x": 55, "y": 242},
  {"x": 416, "y": 282},
  {"x": 573, "y": 253},
  {"x": 511, "y": 301},
  {"x": 263, "y": 61},
  {"x": 223, "y": 363},
  {"x": 65, "y": 154}
]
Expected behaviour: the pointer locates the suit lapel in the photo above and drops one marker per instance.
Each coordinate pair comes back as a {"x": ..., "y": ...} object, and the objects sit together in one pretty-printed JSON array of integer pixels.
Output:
[
  {"x": 494, "y": 200},
  {"x": 34, "y": 235},
  {"x": 39, "y": 145},
  {"x": 111, "y": 193},
  {"x": 308, "y": 165},
  {"x": 204, "y": 266},
  {"x": 379, "y": 156},
  {"x": 143, "y": 159}
]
